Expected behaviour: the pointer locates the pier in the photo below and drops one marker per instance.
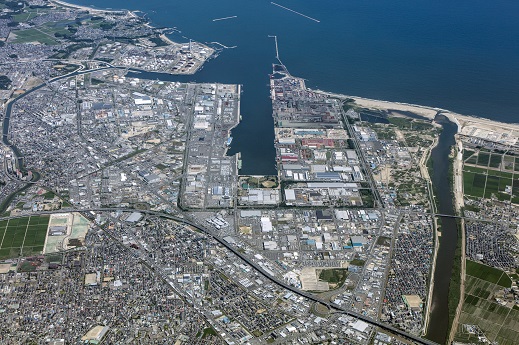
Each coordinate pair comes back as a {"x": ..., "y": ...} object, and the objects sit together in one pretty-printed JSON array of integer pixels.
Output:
[
  {"x": 277, "y": 53},
  {"x": 223, "y": 46}
]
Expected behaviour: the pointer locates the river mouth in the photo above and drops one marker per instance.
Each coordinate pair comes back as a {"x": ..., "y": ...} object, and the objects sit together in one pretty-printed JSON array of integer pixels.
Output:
[{"x": 439, "y": 321}]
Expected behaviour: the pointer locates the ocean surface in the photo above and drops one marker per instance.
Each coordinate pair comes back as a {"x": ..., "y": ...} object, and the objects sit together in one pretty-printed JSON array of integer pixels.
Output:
[{"x": 459, "y": 55}]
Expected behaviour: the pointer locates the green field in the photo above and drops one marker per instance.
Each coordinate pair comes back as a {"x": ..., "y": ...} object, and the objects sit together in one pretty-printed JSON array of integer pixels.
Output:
[
  {"x": 22, "y": 236},
  {"x": 489, "y": 274},
  {"x": 495, "y": 160},
  {"x": 24, "y": 17},
  {"x": 484, "y": 183},
  {"x": 44, "y": 34},
  {"x": 33, "y": 35},
  {"x": 467, "y": 153},
  {"x": 483, "y": 158},
  {"x": 487, "y": 159},
  {"x": 498, "y": 322},
  {"x": 472, "y": 159},
  {"x": 334, "y": 276}
]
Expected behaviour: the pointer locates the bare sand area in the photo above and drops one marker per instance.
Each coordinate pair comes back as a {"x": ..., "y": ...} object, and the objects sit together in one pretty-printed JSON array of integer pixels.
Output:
[
  {"x": 502, "y": 132},
  {"x": 467, "y": 125}
]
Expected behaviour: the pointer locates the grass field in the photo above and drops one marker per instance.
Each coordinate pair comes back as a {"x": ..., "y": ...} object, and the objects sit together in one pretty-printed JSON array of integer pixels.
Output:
[
  {"x": 24, "y": 17},
  {"x": 44, "y": 34},
  {"x": 334, "y": 276},
  {"x": 30, "y": 13},
  {"x": 483, "y": 159},
  {"x": 497, "y": 322},
  {"x": 495, "y": 160},
  {"x": 467, "y": 154},
  {"x": 22, "y": 236}
]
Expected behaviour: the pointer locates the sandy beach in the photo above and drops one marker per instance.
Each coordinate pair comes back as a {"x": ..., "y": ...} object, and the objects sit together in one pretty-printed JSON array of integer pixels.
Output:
[
  {"x": 505, "y": 133},
  {"x": 167, "y": 40},
  {"x": 463, "y": 121},
  {"x": 427, "y": 112},
  {"x": 84, "y": 8}
]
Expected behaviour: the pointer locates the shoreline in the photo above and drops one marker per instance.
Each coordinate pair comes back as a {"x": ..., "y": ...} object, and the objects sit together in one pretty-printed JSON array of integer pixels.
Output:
[
  {"x": 133, "y": 14},
  {"x": 426, "y": 111},
  {"x": 95, "y": 10},
  {"x": 164, "y": 37},
  {"x": 86, "y": 8},
  {"x": 429, "y": 112}
]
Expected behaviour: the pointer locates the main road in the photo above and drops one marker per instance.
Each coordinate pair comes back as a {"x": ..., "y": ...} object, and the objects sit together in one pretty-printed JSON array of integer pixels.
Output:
[
  {"x": 9, "y": 107},
  {"x": 333, "y": 306},
  {"x": 309, "y": 296}
]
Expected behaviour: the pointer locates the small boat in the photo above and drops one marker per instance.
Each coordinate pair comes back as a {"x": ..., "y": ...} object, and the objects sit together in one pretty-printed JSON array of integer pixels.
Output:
[{"x": 229, "y": 141}]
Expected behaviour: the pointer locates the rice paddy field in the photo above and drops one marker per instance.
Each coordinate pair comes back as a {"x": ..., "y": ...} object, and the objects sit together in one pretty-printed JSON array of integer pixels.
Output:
[
  {"x": 482, "y": 314},
  {"x": 487, "y": 175}
]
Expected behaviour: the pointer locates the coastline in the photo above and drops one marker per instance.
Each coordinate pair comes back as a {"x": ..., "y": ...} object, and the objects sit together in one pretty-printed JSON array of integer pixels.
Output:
[
  {"x": 467, "y": 124},
  {"x": 130, "y": 13},
  {"x": 95, "y": 10},
  {"x": 463, "y": 121},
  {"x": 164, "y": 38},
  {"x": 86, "y": 8}
]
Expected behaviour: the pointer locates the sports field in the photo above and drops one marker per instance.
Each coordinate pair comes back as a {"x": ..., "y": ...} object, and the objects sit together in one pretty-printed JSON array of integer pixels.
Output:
[
  {"x": 497, "y": 322},
  {"x": 22, "y": 236}
]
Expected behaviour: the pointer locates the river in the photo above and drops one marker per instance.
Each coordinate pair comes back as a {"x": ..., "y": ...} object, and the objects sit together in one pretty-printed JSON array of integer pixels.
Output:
[{"x": 439, "y": 322}]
